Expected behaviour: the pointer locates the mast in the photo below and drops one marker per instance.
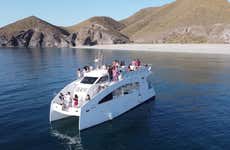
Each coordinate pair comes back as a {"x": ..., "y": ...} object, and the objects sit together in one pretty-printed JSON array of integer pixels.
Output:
[{"x": 99, "y": 59}]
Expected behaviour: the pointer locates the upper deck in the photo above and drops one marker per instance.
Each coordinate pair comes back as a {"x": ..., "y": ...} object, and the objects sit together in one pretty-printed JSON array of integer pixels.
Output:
[
  {"x": 102, "y": 78},
  {"x": 98, "y": 80},
  {"x": 123, "y": 71}
]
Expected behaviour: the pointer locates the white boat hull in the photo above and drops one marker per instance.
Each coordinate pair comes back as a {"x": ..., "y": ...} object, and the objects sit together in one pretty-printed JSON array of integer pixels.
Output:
[
  {"x": 89, "y": 118},
  {"x": 113, "y": 100}
]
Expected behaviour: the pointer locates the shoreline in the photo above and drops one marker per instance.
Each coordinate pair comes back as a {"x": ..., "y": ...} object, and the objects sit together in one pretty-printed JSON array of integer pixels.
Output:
[{"x": 166, "y": 48}]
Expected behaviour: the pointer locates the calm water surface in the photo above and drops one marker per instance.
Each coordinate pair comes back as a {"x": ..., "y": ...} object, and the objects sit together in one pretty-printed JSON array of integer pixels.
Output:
[{"x": 191, "y": 111}]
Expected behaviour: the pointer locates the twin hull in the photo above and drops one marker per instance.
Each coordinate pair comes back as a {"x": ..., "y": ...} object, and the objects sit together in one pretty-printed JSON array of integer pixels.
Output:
[{"x": 94, "y": 112}]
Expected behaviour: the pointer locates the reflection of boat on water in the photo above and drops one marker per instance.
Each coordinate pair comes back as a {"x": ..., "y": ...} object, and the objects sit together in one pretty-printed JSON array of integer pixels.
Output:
[
  {"x": 108, "y": 98},
  {"x": 66, "y": 130},
  {"x": 122, "y": 129}
]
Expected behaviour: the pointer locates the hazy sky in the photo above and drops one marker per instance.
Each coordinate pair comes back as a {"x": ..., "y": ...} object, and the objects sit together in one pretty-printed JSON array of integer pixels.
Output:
[{"x": 69, "y": 12}]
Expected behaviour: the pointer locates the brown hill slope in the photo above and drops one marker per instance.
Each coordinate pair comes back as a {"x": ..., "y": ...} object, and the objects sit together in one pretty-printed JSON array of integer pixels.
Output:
[
  {"x": 33, "y": 32},
  {"x": 184, "y": 21},
  {"x": 98, "y": 30},
  {"x": 106, "y": 22}
]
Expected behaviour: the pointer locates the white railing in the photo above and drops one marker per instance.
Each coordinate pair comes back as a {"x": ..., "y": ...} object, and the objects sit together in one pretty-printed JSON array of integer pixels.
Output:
[
  {"x": 97, "y": 88},
  {"x": 137, "y": 71}
]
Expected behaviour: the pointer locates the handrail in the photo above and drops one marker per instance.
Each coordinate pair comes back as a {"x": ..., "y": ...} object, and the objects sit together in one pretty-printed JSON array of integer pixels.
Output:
[{"x": 94, "y": 90}]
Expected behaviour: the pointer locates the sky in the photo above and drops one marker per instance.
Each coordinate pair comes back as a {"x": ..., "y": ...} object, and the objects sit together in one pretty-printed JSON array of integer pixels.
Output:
[{"x": 70, "y": 12}]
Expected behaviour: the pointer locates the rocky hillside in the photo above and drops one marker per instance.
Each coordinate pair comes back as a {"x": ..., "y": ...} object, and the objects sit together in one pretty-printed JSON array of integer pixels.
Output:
[
  {"x": 183, "y": 21},
  {"x": 98, "y": 30},
  {"x": 106, "y": 22},
  {"x": 33, "y": 32}
]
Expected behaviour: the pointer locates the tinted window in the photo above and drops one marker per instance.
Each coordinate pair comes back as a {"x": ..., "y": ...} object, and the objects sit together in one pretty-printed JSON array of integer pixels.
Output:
[
  {"x": 130, "y": 88},
  {"x": 107, "y": 98},
  {"x": 103, "y": 79},
  {"x": 121, "y": 91},
  {"x": 88, "y": 80}
]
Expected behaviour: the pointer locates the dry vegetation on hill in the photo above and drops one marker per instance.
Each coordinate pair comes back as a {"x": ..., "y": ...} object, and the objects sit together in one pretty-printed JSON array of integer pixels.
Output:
[
  {"x": 33, "y": 32},
  {"x": 182, "y": 21},
  {"x": 106, "y": 22},
  {"x": 30, "y": 23},
  {"x": 99, "y": 30}
]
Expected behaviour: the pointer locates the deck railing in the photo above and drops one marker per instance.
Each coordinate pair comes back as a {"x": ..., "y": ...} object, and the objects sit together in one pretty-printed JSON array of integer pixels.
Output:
[{"x": 97, "y": 88}]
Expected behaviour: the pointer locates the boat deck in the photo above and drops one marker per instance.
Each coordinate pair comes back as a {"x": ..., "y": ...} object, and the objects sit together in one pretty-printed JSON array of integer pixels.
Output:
[{"x": 72, "y": 111}]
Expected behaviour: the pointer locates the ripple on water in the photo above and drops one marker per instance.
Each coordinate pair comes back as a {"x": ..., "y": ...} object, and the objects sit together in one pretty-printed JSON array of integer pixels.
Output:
[{"x": 191, "y": 110}]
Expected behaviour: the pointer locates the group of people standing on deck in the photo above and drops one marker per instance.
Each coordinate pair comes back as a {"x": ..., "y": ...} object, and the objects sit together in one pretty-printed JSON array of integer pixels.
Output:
[
  {"x": 136, "y": 63},
  {"x": 67, "y": 101},
  {"x": 116, "y": 74},
  {"x": 113, "y": 70}
]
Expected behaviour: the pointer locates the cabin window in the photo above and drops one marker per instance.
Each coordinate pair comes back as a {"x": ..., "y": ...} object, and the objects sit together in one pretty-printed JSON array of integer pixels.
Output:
[
  {"x": 103, "y": 79},
  {"x": 107, "y": 98},
  {"x": 126, "y": 89},
  {"x": 88, "y": 80},
  {"x": 130, "y": 88},
  {"x": 121, "y": 91},
  {"x": 118, "y": 92}
]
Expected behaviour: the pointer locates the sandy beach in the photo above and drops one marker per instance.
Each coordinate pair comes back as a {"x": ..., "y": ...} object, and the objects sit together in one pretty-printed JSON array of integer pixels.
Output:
[{"x": 169, "y": 48}]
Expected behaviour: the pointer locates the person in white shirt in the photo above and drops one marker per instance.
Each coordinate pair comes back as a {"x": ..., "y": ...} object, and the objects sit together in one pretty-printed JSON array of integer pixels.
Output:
[
  {"x": 79, "y": 73},
  {"x": 68, "y": 100}
]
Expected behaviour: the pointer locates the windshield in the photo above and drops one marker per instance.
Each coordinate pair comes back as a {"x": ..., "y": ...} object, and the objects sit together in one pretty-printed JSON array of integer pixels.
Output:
[
  {"x": 103, "y": 79},
  {"x": 88, "y": 80}
]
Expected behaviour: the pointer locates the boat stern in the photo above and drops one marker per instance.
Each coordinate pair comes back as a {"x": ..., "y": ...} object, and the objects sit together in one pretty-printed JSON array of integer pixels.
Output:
[{"x": 57, "y": 112}]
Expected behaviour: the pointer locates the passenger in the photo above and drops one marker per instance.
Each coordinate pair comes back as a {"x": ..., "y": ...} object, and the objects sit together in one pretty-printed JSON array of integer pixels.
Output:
[
  {"x": 117, "y": 64},
  {"x": 138, "y": 63},
  {"x": 114, "y": 63},
  {"x": 90, "y": 68},
  {"x": 86, "y": 69},
  {"x": 75, "y": 101},
  {"x": 134, "y": 65},
  {"x": 122, "y": 64},
  {"x": 110, "y": 72},
  {"x": 129, "y": 68},
  {"x": 115, "y": 74},
  {"x": 79, "y": 73},
  {"x": 68, "y": 100},
  {"x": 134, "y": 62},
  {"x": 120, "y": 77},
  {"x": 87, "y": 97},
  {"x": 61, "y": 98}
]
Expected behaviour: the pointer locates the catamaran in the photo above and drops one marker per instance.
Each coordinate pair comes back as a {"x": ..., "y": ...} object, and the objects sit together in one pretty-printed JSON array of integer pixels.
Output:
[{"x": 101, "y": 98}]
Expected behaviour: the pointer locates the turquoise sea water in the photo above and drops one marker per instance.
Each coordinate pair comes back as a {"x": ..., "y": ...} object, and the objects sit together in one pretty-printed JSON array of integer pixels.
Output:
[{"x": 191, "y": 110}]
